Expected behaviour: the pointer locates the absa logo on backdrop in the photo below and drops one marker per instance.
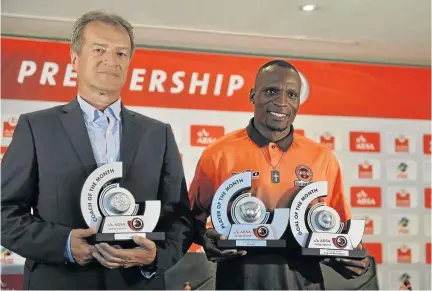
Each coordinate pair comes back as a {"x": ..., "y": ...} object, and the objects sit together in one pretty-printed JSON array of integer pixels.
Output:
[
  {"x": 366, "y": 197},
  {"x": 203, "y": 135}
]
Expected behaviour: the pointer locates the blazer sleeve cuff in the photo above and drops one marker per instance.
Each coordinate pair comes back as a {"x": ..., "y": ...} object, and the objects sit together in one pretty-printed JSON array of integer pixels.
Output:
[{"x": 158, "y": 267}]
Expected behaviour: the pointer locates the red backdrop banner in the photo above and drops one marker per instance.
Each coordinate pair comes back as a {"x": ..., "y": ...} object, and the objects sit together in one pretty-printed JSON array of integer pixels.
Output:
[{"x": 220, "y": 82}]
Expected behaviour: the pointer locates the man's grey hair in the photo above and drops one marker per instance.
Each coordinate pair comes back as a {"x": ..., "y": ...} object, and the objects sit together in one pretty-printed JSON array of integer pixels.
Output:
[{"x": 80, "y": 24}]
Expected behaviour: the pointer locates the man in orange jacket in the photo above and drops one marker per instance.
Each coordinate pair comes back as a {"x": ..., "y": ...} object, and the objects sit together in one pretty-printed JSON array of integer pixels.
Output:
[{"x": 278, "y": 157}]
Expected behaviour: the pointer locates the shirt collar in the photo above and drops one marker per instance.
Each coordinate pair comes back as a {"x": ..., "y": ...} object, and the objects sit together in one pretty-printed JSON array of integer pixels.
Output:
[
  {"x": 261, "y": 141},
  {"x": 91, "y": 113}
]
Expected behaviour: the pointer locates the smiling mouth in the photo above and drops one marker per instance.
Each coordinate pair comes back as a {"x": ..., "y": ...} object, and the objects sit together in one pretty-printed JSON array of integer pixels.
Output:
[
  {"x": 109, "y": 73},
  {"x": 280, "y": 115}
]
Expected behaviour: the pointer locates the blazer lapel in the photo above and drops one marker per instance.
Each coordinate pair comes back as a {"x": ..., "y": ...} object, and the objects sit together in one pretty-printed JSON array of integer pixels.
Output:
[
  {"x": 73, "y": 122},
  {"x": 130, "y": 139}
]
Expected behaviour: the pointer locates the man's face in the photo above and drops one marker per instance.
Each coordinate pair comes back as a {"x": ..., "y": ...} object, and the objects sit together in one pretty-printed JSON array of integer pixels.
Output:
[
  {"x": 103, "y": 61},
  {"x": 276, "y": 98}
]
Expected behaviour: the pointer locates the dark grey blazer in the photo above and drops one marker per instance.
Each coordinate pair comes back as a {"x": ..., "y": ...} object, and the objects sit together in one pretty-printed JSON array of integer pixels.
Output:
[{"x": 45, "y": 167}]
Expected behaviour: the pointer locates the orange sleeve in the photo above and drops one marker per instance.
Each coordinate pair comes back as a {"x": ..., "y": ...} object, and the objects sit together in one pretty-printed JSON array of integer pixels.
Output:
[
  {"x": 202, "y": 188},
  {"x": 336, "y": 191}
]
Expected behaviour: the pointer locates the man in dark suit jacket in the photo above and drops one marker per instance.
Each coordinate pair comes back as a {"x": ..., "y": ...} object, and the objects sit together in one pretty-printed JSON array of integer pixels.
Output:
[{"x": 52, "y": 153}]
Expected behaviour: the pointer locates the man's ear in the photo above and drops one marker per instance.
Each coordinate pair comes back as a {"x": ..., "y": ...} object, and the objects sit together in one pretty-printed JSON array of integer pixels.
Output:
[
  {"x": 252, "y": 95},
  {"x": 74, "y": 60}
]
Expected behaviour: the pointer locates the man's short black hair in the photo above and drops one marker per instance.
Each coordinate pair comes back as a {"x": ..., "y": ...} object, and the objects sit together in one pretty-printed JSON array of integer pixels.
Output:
[{"x": 278, "y": 63}]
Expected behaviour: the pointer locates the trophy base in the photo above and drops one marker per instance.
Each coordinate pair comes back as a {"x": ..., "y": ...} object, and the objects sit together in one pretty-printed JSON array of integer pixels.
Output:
[
  {"x": 123, "y": 238},
  {"x": 355, "y": 254},
  {"x": 254, "y": 243}
]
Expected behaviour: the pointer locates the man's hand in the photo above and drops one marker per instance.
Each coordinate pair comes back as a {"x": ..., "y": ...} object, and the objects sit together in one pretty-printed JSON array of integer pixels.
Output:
[
  {"x": 115, "y": 257},
  {"x": 349, "y": 268},
  {"x": 80, "y": 249},
  {"x": 214, "y": 254}
]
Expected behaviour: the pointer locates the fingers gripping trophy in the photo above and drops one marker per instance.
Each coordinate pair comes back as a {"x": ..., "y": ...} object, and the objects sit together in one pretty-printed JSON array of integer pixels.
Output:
[{"x": 113, "y": 211}]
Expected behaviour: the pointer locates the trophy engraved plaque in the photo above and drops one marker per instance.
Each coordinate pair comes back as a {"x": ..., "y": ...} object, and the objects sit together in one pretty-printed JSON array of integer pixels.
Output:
[
  {"x": 243, "y": 218},
  {"x": 112, "y": 210},
  {"x": 318, "y": 229}
]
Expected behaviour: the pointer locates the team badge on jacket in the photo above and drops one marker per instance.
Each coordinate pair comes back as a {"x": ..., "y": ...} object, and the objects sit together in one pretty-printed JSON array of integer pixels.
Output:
[{"x": 304, "y": 175}]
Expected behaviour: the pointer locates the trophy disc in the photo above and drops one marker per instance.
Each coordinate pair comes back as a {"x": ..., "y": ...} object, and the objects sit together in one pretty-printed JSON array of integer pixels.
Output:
[{"x": 322, "y": 218}]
